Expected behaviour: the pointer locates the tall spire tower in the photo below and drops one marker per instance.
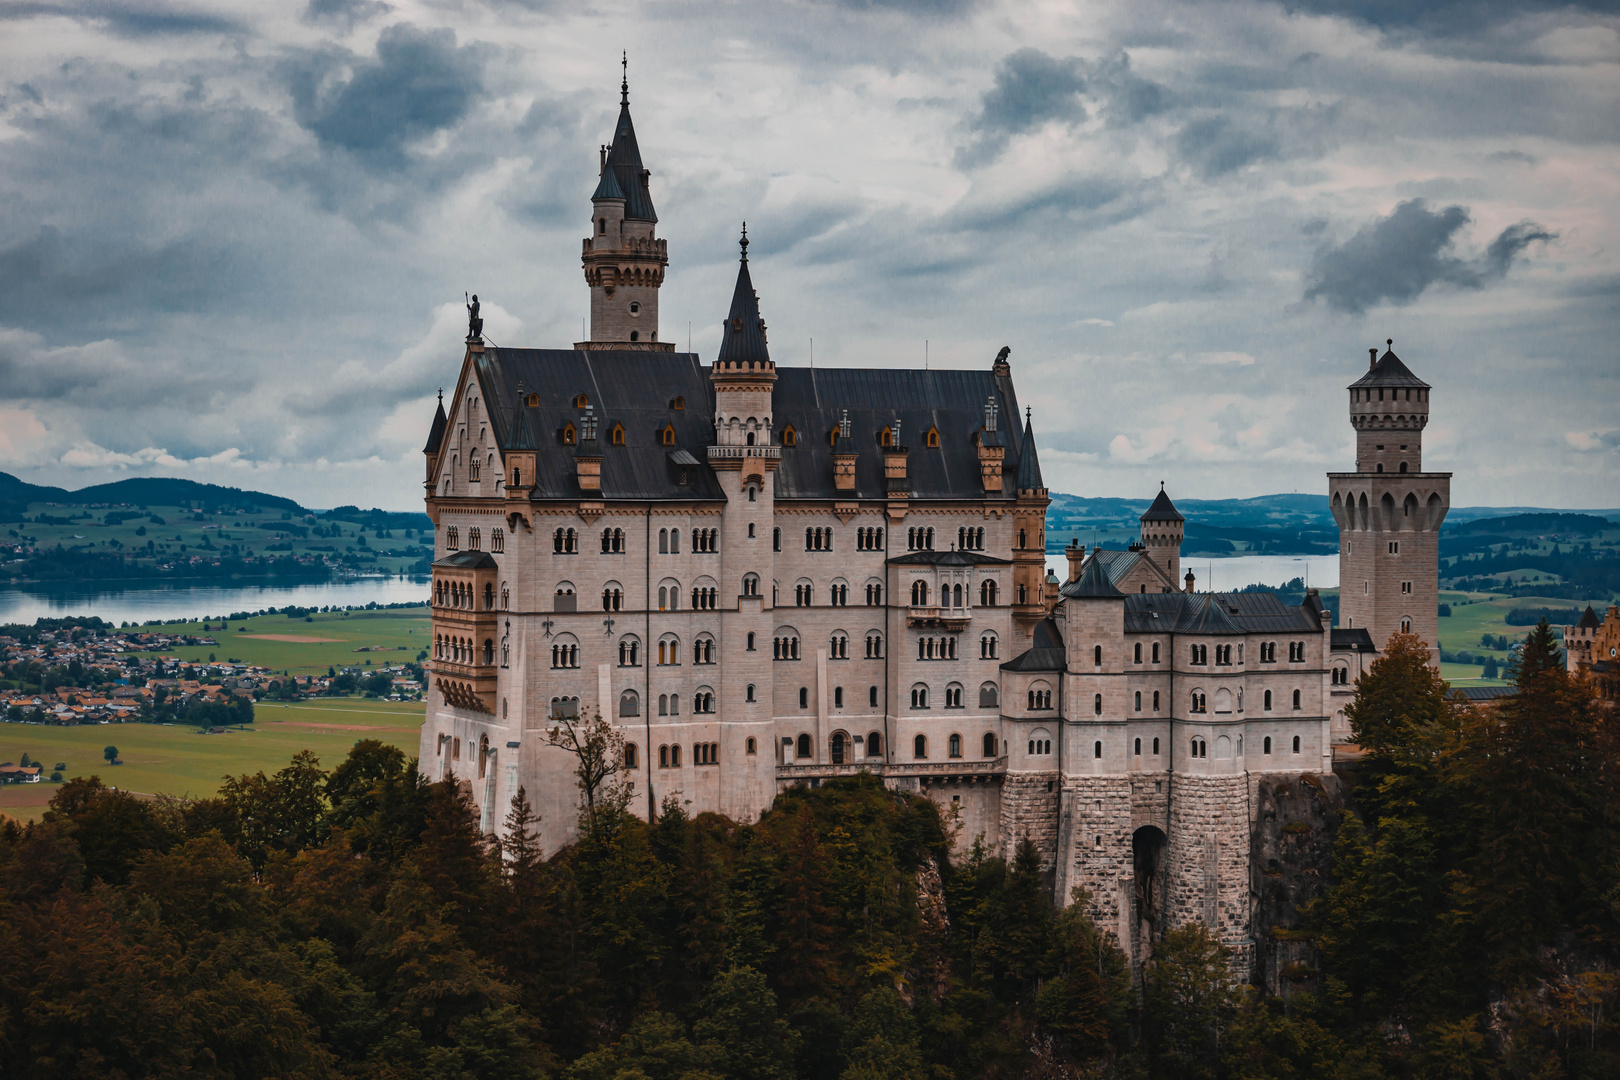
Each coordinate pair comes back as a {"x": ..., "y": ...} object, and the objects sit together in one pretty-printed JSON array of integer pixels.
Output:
[
  {"x": 1389, "y": 510},
  {"x": 624, "y": 261}
]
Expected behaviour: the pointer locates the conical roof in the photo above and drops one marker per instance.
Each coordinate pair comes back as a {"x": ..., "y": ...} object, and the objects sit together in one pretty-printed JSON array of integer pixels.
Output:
[
  {"x": 1388, "y": 370},
  {"x": 1162, "y": 509},
  {"x": 436, "y": 432},
  {"x": 608, "y": 186},
  {"x": 1029, "y": 463},
  {"x": 624, "y": 161},
  {"x": 742, "y": 338},
  {"x": 1589, "y": 619}
]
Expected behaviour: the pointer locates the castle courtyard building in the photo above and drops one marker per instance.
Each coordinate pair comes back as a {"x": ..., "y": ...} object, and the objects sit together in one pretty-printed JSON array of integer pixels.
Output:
[{"x": 766, "y": 577}]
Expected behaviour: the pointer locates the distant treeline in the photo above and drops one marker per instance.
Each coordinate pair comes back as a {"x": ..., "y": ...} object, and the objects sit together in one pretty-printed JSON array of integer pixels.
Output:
[
  {"x": 78, "y": 564},
  {"x": 1586, "y": 573},
  {"x": 1529, "y": 616}
]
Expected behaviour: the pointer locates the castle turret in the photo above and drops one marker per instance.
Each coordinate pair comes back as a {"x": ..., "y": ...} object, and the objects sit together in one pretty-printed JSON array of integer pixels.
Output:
[
  {"x": 1389, "y": 510},
  {"x": 1029, "y": 519},
  {"x": 624, "y": 261},
  {"x": 1162, "y": 530}
]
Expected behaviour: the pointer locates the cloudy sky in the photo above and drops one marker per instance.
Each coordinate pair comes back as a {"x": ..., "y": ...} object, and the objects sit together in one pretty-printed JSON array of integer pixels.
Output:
[{"x": 234, "y": 237}]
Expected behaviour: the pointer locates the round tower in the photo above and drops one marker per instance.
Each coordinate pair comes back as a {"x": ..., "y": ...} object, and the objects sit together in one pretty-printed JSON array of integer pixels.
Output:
[
  {"x": 624, "y": 262},
  {"x": 1162, "y": 531},
  {"x": 1389, "y": 510}
]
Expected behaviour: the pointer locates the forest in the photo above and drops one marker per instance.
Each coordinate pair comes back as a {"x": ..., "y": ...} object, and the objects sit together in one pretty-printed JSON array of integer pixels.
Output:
[{"x": 354, "y": 921}]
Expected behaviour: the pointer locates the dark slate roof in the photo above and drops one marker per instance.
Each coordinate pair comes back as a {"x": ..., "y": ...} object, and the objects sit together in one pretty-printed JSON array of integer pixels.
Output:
[
  {"x": 1029, "y": 465},
  {"x": 1589, "y": 619},
  {"x": 1216, "y": 613},
  {"x": 1389, "y": 371},
  {"x": 813, "y": 401},
  {"x": 742, "y": 335},
  {"x": 948, "y": 558},
  {"x": 624, "y": 159},
  {"x": 436, "y": 432},
  {"x": 1485, "y": 693},
  {"x": 468, "y": 560},
  {"x": 1093, "y": 583},
  {"x": 630, "y": 388},
  {"x": 1116, "y": 564},
  {"x": 608, "y": 186},
  {"x": 1046, "y": 653},
  {"x": 1162, "y": 509},
  {"x": 1351, "y": 640}
]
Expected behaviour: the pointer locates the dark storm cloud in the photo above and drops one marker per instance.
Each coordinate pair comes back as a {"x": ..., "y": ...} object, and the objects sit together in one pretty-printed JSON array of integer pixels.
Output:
[
  {"x": 1396, "y": 258},
  {"x": 347, "y": 13},
  {"x": 1215, "y": 145},
  {"x": 129, "y": 20},
  {"x": 1032, "y": 88},
  {"x": 420, "y": 83},
  {"x": 1442, "y": 16}
]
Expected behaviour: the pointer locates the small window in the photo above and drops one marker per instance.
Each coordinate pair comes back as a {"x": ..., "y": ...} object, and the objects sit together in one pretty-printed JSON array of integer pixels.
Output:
[
  {"x": 568, "y": 436},
  {"x": 804, "y": 697},
  {"x": 804, "y": 746},
  {"x": 885, "y": 437},
  {"x": 749, "y": 693},
  {"x": 1265, "y": 747},
  {"x": 534, "y": 401},
  {"x": 932, "y": 438},
  {"x": 1097, "y": 704},
  {"x": 630, "y": 755},
  {"x": 1136, "y": 748},
  {"x": 1296, "y": 699},
  {"x": 581, "y": 401},
  {"x": 954, "y": 746},
  {"x": 1296, "y": 744},
  {"x": 616, "y": 436},
  {"x": 789, "y": 436},
  {"x": 1096, "y": 749},
  {"x": 668, "y": 435},
  {"x": 678, "y": 404},
  {"x": 753, "y": 747},
  {"x": 989, "y": 748},
  {"x": 919, "y": 747}
]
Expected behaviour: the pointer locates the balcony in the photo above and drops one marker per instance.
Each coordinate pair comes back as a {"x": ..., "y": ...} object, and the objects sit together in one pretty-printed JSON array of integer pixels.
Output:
[
  {"x": 737, "y": 453},
  {"x": 942, "y": 618}
]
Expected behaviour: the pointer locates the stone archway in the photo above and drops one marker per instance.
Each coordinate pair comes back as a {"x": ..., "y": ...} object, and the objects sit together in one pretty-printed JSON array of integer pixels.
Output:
[{"x": 1147, "y": 863}]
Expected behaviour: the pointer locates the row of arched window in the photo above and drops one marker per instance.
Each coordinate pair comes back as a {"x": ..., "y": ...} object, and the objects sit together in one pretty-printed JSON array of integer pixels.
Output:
[
  {"x": 613, "y": 541},
  {"x": 869, "y": 539},
  {"x": 970, "y": 538},
  {"x": 459, "y": 650},
  {"x": 920, "y": 538},
  {"x": 818, "y": 539},
  {"x": 475, "y": 538},
  {"x": 930, "y": 648}
]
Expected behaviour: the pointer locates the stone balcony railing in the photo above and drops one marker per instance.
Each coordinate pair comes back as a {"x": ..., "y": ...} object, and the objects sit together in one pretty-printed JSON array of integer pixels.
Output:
[
  {"x": 737, "y": 453},
  {"x": 948, "y": 769},
  {"x": 942, "y": 617}
]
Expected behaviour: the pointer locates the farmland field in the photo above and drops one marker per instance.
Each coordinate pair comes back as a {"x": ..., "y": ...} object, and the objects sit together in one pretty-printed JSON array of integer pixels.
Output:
[
  {"x": 301, "y": 647},
  {"x": 178, "y": 760}
]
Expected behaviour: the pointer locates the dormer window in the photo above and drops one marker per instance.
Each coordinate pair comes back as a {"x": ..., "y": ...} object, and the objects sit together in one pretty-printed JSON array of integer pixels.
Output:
[
  {"x": 568, "y": 436},
  {"x": 534, "y": 401},
  {"x": 932, "y": 438},
  {"x": 581, "y": 401},
  {"x": 678, "y": 404},
  {"x": 616, "y": 436},
  {"x": 668, "y": 435},
  {"x": 789, "y": 436},
  {"x": 885, "y": 437}
]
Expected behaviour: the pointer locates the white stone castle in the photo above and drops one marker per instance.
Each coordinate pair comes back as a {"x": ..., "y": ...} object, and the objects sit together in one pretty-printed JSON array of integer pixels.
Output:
[{"x": 771, "y": 577}]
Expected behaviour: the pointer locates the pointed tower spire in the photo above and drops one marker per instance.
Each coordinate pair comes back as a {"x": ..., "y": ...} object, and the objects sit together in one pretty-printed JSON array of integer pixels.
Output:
[
  {"x": 742, "y": 338},
  {"x": 1029, "y": 463},
  {"x": 624, "y": 261}
]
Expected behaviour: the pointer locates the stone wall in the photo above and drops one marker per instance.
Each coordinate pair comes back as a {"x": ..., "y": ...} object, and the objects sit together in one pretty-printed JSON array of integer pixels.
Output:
[
  {"x": 1206, "y": 863},
  {"x": 1296, "y": 821},
  {"x": 1029, "y": 807}
]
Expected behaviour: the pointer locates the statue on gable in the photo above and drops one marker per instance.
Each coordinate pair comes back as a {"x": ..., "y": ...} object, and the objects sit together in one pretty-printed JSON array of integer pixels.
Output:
[{"x": 475, "y": 324}]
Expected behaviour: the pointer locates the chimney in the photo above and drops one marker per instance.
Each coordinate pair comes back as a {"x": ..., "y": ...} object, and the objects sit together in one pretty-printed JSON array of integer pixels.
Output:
[
  {"x": 844, "y": 457},
  {"x": 1076, "y": 551},
  {"x": 992, "y": 450},
  {"x": 1190, "y": 582},
  {"x": 588, "y": 456},
  {"x": 894, "y": 463},
  {"x": 1372, "y": 358}
]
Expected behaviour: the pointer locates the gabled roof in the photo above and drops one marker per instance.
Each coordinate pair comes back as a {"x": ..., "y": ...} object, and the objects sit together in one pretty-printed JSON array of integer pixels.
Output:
[
  {"x": 468, "y": 560},
  {"x": 1217, "y": 614},
  {"x": 1029, "y": 465},
  {"x": 1162, "y": 509},
  {"x": 742, "y": 335},
  {"x": 436, "y": 432},
  {"x": 1389, "y": 371},
  {"x": 814, "y": 401},
  {"x": 1093, "y": 583},
  {"x": 1589, "y": 619}
]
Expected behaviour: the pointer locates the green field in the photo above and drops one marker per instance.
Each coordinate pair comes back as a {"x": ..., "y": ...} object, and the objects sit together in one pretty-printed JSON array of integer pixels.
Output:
[
  {"x": 391, "y": 637},
  {"x": 170, "y": 532},
  {"x": 1475, "y": 614},
  {"x": 178, "y": 760}
]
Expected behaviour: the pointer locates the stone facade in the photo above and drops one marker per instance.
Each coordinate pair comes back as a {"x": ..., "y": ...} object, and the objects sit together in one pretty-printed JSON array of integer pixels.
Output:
[{"x": 766, "y": 577}]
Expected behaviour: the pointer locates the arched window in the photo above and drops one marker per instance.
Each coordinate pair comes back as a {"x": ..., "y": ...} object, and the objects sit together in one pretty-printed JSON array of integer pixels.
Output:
[
  {"x": 874, "y": 744},
  {"x": 987, "y": 593},
  {"x": 1139, "y": 701},
  {"x": 1265, "y": 745},
  {"x": 452, "y": 538},
  {"x": 1096, "y": 705},
  {"x": 748, "y": 694},
  {"x": 668, "y": 435},
  {"x": 1138, "y": 653},
  {"x": 1155, "y": 652},
  {"x": 1136, "y": 748},
  {"x": 919, "y": 696},
  {"x": 1296, "y": 744},
  {"x": 1155, "y": 701},
  {"x": 989, "y": 696},
  {"x": 954, "y": 746},
  {"x": 804, "y": 746},
  {"x": 1155, "y": 747},
  {"x": 629, "y": 755},
  {"x": 750, "y": 585},
  {"x": 919, "y": 594},
  {"x": 616, "y": 435},
  {"x": 1096, "y": 749},
  {"x": 497, "y": 540},
  {"x": 919, "y": 747},
  {"x": 804, "y": 697},
  {"x": 789, "y": 436},
  {"x": 629, "y": 704},
  {"x": 1268, "y": 701},
  {"x": 953, "y": 696},
  {"x": 1296, "y": 699},
  {"x": 989, "y": 748},
  {"x": 987, "y": 645},
  {"x": 1096, "y": 655}
]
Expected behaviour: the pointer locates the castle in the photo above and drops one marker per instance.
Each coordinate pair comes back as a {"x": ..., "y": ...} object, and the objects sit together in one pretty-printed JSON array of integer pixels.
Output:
[{"x": 766, "y": 577}]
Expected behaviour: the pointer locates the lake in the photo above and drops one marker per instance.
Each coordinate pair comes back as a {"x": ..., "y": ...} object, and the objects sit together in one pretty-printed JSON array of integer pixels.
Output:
[
  {"x": 174, "y": 602},
  {"x": 139, "y": 605},
  {"x": 1235, "y": 571}
]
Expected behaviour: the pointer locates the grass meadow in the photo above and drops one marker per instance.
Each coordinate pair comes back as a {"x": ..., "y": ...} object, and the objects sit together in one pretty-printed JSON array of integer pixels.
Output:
[
  {"x": 309, "y": 647},
  {"x": 179, "y": 760}
]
